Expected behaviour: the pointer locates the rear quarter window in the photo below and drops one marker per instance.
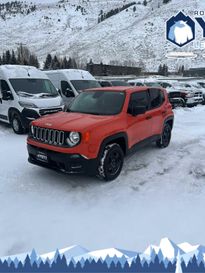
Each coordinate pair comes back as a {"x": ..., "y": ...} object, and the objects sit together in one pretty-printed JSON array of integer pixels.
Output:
[
  {"x": 139, "y": 99},
  {"x": 156, "y": 98}
]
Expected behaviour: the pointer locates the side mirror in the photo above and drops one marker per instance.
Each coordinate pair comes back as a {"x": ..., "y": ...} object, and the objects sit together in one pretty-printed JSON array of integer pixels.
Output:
[
  {"x": 138, "y": 110},
  {"x": 69, "y": 93},
  {"x": 7, "y": 95}
]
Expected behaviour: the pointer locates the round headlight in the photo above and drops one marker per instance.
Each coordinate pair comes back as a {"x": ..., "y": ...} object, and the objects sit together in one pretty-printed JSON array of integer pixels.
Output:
[{"x": 73, "y": 139}]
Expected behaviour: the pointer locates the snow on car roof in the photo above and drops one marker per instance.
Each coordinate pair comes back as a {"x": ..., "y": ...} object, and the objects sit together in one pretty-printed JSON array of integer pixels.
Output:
[
  {"x": 73, "y": 74},
  {"x": 21, "y": 71}
]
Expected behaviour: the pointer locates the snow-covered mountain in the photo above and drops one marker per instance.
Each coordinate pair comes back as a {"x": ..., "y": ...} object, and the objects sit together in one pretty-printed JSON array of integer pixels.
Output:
[
  {"x": 68, "y": 252},
  {"x": 166, "y": 250},
  {"x": 135, "y": 35},
  {"x": 109, "y": 252}
]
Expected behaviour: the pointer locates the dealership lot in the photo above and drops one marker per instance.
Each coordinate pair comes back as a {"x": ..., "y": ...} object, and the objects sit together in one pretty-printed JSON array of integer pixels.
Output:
[{"x": 153, "y": 197}]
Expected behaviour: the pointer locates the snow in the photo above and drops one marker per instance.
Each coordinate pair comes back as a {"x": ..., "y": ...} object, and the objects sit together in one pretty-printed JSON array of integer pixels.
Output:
[
  {"x": 21, "y": 71},
  {"x": 186, "y": 247},
  {"x": 168, "y": 248},
  {"x": 178, "y": 265},
  {"x": 68, "y": 252},
  {"x": 137, "y": 37},
  {"x": 103, "y": 253},
  {"x": 159, "y": 193}
]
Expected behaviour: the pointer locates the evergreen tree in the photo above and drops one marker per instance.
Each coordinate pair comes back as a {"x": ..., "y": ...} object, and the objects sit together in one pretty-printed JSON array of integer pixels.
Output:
[
  {"x": 4, "y": 58},
  {"x": 55, "y": 63},
  {"x": 27, "y": 264},
  {"x": 160, "y": 70},
  {"x": 13, "y": 58},
  {"x": 48, "y": 62},
  {"x": 64, "y": 63},
  {"x": 33, "y": 256},
  {"x": 8, "y": 57},
  {"x": 71, "y": 266}
]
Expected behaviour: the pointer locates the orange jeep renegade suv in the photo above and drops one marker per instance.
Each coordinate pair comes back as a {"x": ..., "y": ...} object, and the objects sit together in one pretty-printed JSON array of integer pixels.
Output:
[{"x": 100, "y": 127}]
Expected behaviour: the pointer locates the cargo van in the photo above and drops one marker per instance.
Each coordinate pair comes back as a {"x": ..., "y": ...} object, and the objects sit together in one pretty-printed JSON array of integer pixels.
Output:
[
  {"x": 70, "y": 82},
  {"x": 26, "y": 93}
]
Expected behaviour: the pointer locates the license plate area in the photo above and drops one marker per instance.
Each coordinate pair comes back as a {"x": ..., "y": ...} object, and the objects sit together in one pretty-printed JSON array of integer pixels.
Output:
[{"x": 40, "y": 156}]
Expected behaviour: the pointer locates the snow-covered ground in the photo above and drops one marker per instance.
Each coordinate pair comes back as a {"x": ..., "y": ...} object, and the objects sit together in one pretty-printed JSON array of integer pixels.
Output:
[{"x": 159, "y": 193}]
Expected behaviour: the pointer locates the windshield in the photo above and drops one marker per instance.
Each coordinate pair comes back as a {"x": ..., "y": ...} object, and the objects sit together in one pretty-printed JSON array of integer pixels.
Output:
[
  {"x": 152, "y": 84},
  {"x": 98, "y": 103},
  {"x": 85, "y": 84},
  {"x": 120, "y": 83},
  {"x": 165, "y": 84},
  {"x": 33, "y": 87},
  {"x": 182, "y": 85}
]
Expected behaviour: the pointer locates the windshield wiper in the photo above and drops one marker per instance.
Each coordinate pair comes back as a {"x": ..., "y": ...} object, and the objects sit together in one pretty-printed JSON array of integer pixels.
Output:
[{"x": 25, "y": 94}]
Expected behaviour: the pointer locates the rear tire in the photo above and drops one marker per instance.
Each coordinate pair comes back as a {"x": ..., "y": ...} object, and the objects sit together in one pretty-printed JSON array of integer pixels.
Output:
[
  {"x": 16, "y": 124},
  {"x": 111, "y": 162},
  {"x": 165, "y": 138}
]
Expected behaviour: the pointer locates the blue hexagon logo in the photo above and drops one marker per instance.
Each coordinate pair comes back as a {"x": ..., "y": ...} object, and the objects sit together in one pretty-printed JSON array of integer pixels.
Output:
[{"x": 180, "y": 29}]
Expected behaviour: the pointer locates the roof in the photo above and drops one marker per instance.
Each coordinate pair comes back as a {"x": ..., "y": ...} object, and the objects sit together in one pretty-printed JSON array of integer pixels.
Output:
[
  {"x": 21, "y": 71},
  {"x": 72, "y": 74},
  {"x": 128, "y": 89}
]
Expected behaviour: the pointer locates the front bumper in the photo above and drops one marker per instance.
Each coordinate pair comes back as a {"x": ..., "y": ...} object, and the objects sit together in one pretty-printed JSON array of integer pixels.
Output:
[
  {"x": 67, "y": 163},
  {"x": 177, "y": 102},
  {"x": 194, "y": 100}
]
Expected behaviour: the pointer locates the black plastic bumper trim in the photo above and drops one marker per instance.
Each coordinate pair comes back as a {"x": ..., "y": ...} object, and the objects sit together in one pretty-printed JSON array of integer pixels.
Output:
[{"x": 67, "y": 163}]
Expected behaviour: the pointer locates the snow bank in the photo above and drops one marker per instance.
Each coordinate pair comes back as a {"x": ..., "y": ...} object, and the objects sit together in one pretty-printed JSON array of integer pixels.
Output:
[{"x": 160, "y": 193}]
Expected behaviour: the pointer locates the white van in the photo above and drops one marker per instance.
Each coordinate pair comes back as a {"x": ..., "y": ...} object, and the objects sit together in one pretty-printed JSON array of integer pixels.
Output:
[
  {"x": 71, "y": 82},
  {"x": 26, "y": 93}
]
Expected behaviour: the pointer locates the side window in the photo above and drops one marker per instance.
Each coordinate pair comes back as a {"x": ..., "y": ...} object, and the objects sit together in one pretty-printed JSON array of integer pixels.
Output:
[
  {"x": 139, "y": 99},
  {"x": 4, "y": 86},
  {"x": 156, "y": 98},
  {"x": 64, "y": 86}
]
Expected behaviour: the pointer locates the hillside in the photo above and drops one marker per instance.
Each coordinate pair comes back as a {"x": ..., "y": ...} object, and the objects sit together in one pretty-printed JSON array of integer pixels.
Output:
[{"x": 134, "y": 36}]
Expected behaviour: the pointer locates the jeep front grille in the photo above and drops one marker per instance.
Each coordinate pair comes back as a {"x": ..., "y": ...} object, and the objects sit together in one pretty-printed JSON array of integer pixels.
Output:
[
  {"x": 48, "y": 136},
  {"x": 50, "y": 111}
]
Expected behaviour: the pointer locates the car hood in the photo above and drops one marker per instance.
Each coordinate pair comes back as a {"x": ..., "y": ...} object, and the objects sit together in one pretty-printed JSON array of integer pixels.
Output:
[
  {"x": 67, "y": 121},
  {"x": 45, "y": 102}
]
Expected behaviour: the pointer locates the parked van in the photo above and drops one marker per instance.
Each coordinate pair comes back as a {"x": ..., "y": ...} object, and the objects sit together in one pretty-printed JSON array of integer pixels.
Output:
[
  {"x": 26, "y": 93},
  {"x": 71, "y": 82}
]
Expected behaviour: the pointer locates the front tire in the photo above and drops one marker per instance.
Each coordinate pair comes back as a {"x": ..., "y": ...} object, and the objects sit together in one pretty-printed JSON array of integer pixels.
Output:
[
  {"x": 111, "y": 162},
  {"x": 16, "y": 124},
  {"x": 165, "y": 138}
]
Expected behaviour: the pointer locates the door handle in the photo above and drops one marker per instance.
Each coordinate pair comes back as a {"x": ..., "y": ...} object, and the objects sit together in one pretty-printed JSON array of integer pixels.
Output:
[{"x": 148, "y": 117}]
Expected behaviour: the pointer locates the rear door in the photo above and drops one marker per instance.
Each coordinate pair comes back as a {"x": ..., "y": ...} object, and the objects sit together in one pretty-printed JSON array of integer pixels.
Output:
[
  {"x": 157, "y": 110},
  {"x": 139, "y": 127}
]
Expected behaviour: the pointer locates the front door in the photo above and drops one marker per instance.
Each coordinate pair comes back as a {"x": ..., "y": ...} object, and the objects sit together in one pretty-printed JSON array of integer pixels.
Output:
[
  {"x": 139, "y": 127},
  {"x": 4, "y": 102}
]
